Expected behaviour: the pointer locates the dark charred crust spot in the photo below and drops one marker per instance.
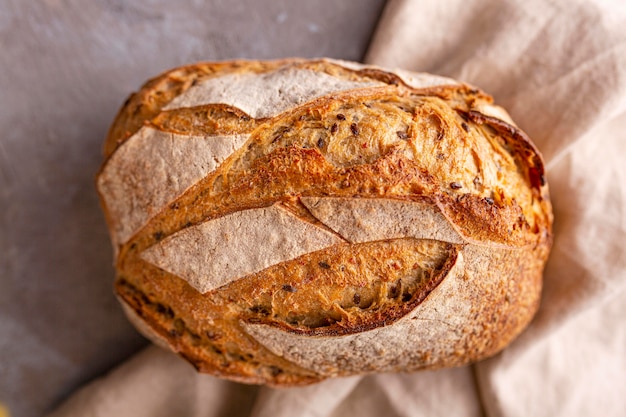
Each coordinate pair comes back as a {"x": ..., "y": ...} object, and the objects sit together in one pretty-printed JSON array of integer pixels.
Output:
[
  {"x": 354, "y": 128},
  {"x": 289, "y": 288},
  {"x": 137, "y": 109},
  {"x": 356, "y": 298},
  {"x": 194, "y": 82},
  {"x": 166, "y": 312},
  {"x": 195, "y": 339},
  {"x": 178, "y": 328},
  {"x": 456, "y": 185},
  {"x": 489, "y": 200},
  {"x": 394, "y": 290},
  {"x": 324, "y": 265},
  {"x": 402, "y": 134},
  {"x": 174, "y": 333},
  {"x": 537, "y": 177},
  {"x": 158, "y": 235},
  {"x": 175, "y": 206},
  {"x": 261, "y": 310},
  {"x": 320, "y": 143},
  {"x": 236, "y": 357},
  {"x": 465, "y": 127},
  {"x": 463, "y": 115},
  {"x": 341, "y": 116},
  {"x": 364, "y": 305},
  {"x": 334, "y": 128},
  {"x": 275, "y": 370},
  {"x": 279, "y": 135}
]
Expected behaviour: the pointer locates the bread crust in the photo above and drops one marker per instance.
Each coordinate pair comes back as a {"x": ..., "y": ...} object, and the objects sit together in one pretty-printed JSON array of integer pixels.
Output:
[{"x": 432, "y": 209}]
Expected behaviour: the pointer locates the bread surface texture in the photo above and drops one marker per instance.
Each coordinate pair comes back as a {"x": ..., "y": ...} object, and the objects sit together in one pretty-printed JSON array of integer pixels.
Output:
[{"x": 282, "y": 222}]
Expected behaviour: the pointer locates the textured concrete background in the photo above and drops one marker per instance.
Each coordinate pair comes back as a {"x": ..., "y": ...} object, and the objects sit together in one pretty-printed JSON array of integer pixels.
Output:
[{"x": 65, "y": 68}]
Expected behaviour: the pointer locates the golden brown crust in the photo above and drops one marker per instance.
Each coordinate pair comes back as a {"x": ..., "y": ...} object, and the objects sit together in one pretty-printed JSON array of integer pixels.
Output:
[{"x": 385, "y": 140}]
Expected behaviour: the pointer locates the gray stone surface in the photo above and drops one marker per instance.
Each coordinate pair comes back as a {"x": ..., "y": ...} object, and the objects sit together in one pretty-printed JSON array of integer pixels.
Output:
[{"x": 65, "y": 68}]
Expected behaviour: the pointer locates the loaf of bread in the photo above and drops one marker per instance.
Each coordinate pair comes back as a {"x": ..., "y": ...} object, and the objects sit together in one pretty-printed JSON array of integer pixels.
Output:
[{"x": 282, "y": 222}]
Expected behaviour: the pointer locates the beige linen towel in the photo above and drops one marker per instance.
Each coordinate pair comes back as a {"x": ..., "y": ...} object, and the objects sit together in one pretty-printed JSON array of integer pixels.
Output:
[{"x": 560, "y": 68}]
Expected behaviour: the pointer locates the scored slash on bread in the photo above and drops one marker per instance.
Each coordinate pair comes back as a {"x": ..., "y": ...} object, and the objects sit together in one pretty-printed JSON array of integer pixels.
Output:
[
  {"x": 222, "y": 250},
  {"x": 282, "y": 222},
  {"x": 368, "y": 219},
  {"x": 157, "y": 167}
]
